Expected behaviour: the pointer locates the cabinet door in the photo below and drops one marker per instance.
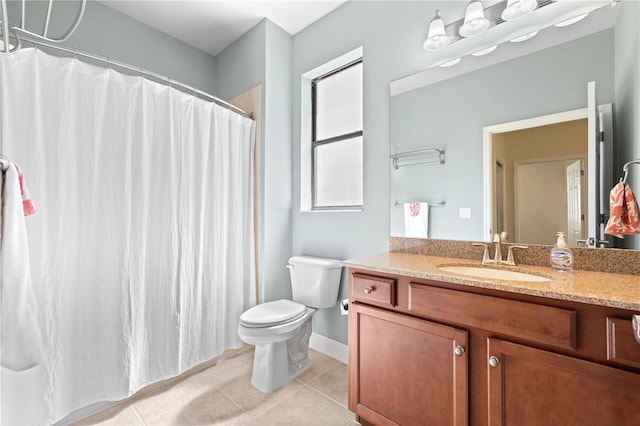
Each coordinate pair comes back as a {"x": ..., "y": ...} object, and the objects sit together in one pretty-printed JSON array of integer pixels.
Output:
[
  {"x": 534, "y": 387},
  {"x": 406, "y": 371}
]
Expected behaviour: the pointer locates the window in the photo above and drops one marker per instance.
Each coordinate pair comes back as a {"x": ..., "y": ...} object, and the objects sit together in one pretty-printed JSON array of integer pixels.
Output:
[{"x": 336, "y": 142}]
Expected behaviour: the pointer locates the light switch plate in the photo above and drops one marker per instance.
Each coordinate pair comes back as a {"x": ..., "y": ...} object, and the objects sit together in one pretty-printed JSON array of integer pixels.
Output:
[{"x": 464, "y": 213}]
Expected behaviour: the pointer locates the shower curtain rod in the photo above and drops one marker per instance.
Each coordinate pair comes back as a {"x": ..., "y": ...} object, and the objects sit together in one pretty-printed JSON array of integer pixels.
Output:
[{"x": 140, "y": 70}]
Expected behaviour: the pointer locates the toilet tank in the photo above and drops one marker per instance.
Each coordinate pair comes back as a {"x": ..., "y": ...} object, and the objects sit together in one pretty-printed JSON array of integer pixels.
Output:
[{"x": 315, "y": 281}]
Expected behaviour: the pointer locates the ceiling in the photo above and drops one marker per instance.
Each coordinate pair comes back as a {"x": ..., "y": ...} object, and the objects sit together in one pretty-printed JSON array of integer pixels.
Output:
[{"x": 212, "y": 25}]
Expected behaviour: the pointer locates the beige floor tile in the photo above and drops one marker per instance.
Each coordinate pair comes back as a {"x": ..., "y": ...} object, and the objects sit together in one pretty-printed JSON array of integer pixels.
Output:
[
  {"x": 209, "y": 408},
  {"x": 321, "y": 364},
  {"x": 222, "y": 394},
  {"x": 118, "y": 415},
  {"x": 307, "y": 407},
  {"x": 242, "y": 392},
  {"x": 223, "y": 372},
  {"x": 334, "y": 384},
  {"x": 163, "y": 401}
]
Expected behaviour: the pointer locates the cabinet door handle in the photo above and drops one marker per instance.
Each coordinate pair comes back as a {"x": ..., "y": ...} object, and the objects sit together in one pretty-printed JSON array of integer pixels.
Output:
[
  {"x": 636, "y": 327},
  {"x": 458, "y": 351},
  {"x": 494, "y": 361},
  {"x": 368, "y": 290}
]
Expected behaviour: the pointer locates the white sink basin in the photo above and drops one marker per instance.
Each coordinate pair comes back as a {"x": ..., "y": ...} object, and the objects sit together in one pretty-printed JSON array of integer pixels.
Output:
[{"x": 498, "y": 274}]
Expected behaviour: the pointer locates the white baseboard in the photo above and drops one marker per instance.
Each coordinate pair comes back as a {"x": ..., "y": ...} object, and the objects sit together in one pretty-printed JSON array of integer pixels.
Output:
[{"x": 329, "y": 347}]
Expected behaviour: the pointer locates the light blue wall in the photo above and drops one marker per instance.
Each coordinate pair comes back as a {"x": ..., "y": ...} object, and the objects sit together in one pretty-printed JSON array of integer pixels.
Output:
[
  {"x": 106, "y": 32},
  {"x": 263, "y": 56},
  {"x": 627, "y": 92},
  {"x": 241, "y": 66},
  {"x": 277, "y": 159},
  {"x": 451, "y": 114},
  {"x": 381, "y": 28}
]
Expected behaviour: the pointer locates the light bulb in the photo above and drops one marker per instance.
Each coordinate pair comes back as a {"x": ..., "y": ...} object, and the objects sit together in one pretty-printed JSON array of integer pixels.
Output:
[
  {"x": 572, "y": 20},
  {"x": 485, "y": 51},
  {"x": 450, "y": 63},
  {"x": 524, "y": 37}
]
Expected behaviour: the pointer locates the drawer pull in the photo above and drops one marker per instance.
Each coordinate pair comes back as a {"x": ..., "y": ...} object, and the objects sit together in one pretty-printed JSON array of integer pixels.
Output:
[
  {"x": 494, "y": 361},
  {"x": 458, "y": 351},
  {"x": 373, "y": 289},
  {"x": 636, "y": 327}
]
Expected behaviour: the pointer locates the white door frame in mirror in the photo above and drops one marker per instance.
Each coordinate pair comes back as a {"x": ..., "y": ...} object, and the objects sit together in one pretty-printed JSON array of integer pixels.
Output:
[{"x": 487, "y": 151}]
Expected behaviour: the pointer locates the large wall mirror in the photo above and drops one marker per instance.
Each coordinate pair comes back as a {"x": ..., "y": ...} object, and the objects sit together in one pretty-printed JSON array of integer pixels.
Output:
[{"x": 518, "y": 182}]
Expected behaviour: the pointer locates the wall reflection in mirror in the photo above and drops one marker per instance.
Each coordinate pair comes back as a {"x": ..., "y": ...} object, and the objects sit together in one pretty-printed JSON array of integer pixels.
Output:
[{"x": 519, "y": 184}]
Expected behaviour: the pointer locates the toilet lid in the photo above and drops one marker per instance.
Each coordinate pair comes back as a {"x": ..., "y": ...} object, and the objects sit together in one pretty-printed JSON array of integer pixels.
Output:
[{"x": 272, "y": 313}]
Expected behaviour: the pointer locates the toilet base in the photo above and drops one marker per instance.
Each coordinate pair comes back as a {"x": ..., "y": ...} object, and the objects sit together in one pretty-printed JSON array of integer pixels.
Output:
[{"x": 276, "y": 364}]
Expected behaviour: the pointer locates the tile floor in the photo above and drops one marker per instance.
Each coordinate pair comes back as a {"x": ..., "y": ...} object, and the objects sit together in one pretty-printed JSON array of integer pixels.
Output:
[{"x": 222, "y": 395}]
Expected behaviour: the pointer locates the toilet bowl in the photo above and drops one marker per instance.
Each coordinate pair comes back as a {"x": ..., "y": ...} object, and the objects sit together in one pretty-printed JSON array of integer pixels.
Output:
[{"x": 280, "y": 330}]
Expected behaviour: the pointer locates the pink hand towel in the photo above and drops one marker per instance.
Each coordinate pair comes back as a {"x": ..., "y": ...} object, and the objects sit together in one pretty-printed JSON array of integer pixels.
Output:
[
  {"x": 27, "y": 205},
  {"x": 414, "y": 208},
  {"x": 624, "y": 217}
]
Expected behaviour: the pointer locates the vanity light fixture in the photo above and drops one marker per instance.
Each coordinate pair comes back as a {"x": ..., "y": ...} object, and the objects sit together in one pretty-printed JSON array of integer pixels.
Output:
[
  {"x": 517, "y": 9},
  {"x": 485, "y": 51},
  {"x": 477, "y": 20},
  {"x": 524, "y": 37},
  {"x": 437, "y": 37},
  {"x": 474, "y": 21}
]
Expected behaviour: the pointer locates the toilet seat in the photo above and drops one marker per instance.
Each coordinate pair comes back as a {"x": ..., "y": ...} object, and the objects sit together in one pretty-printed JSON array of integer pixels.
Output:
[{"x": 272, "y": 313}]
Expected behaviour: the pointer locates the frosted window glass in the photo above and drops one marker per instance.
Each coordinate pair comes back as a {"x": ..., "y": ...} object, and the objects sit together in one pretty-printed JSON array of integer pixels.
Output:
[
  {"x": 339, "y": 103},
  {"x": 338, "y": 173}
]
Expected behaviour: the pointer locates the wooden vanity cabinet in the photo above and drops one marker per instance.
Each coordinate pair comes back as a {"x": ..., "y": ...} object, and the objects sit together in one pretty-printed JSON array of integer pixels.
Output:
[
  {"x": 433, "y": 353},
  {"x": 531, "y": 387},
  {"x": 404, "y": 362}
]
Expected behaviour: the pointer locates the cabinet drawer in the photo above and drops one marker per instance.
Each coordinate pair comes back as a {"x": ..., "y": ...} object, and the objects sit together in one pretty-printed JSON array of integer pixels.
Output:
[
  {"x": 537, "y": 323},
  {"x": 622, "y": 347},
  {"x": 372, "y": 289}
]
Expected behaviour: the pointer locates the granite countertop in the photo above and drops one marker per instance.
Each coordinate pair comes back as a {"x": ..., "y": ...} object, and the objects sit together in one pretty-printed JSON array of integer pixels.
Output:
[{"x": 596, "y": 288}]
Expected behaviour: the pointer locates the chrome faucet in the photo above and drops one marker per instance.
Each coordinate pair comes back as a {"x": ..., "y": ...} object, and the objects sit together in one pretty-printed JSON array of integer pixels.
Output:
[{"x": 497, "y": 253}]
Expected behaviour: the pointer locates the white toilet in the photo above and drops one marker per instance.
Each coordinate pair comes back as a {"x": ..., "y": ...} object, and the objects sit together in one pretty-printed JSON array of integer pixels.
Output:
[{"x": 280, "y": 330}]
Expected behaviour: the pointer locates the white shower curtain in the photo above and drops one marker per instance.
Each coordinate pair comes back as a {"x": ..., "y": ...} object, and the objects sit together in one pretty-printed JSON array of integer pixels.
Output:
[{"x": 142, "y": 248}]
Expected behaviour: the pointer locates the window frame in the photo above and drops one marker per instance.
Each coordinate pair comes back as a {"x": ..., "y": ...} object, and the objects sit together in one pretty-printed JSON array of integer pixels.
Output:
[{"x": 334, "y": 139}]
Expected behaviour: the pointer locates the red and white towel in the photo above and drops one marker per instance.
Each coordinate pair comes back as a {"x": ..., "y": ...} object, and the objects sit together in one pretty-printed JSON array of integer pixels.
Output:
[
  {"x": 20, "y": 336},
  {"x": 624, "y": 216},
  {"x": 416, "y": 220}
]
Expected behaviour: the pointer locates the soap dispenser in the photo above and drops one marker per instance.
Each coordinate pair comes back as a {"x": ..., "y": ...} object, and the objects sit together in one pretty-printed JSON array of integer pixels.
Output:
[{"x": 561, "y": 255}]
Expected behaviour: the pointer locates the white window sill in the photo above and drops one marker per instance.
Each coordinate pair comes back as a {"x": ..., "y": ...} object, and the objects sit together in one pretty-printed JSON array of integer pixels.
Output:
[{"x": 353, "y": 210}]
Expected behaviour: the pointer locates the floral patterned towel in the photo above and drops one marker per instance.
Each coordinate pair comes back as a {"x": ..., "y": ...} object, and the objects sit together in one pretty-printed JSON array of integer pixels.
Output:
[{"x": 624, "y": 217}]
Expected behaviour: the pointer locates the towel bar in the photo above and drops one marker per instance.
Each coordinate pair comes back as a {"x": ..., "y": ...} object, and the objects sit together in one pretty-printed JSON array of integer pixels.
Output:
[
  {"x": 430, "y": 153},
  {"x": 440, "y": 204}
]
